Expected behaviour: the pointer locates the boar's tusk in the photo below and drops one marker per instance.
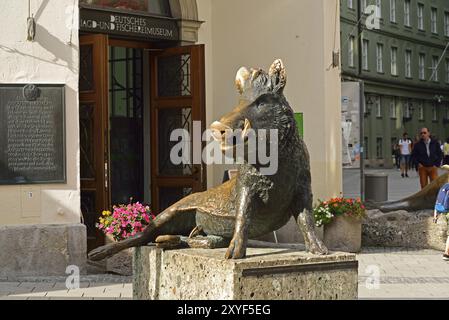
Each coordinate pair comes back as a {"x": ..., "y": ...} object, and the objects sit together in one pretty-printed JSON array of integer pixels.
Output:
[{"x": 246, "y": 127}]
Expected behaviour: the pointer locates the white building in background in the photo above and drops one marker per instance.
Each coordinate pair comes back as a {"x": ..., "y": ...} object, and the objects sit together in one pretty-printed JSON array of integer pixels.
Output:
[{"x": 132, "y": 73}]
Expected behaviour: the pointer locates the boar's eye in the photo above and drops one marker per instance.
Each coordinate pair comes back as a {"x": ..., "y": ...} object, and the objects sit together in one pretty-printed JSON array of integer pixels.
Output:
[{"x": 261, "y": 105}]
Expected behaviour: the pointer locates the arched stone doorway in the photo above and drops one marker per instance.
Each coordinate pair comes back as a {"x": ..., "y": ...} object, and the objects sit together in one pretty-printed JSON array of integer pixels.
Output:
[{"x": 187, "y": 13}]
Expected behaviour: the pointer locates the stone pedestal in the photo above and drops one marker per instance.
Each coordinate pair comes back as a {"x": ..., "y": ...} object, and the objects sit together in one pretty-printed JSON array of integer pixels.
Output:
[
  {"x": 41, "y": 250},
  {"x": 201, "y": 274}
]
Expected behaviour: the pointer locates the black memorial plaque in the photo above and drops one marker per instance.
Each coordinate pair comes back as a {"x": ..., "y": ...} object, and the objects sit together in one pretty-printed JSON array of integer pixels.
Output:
[{"x": 32, "y": 134}]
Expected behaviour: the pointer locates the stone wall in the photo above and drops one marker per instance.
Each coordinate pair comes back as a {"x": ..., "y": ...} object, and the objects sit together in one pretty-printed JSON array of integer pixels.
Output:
[
  {"x": 404, "y": 229},
  {"x": 41, "y": 250}
]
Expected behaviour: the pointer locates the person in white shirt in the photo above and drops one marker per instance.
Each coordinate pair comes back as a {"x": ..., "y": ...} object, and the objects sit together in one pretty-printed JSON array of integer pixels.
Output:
[{"x": 405, "y": 147}]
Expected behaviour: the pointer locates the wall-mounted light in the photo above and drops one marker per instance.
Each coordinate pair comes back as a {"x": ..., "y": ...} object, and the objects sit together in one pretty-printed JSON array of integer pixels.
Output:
[
  {"x": 369, "y": 104},
  {"x": 409, "y": 115},
  {"x": 438, "y": 98},
  {"x": 31, "y": 24}
]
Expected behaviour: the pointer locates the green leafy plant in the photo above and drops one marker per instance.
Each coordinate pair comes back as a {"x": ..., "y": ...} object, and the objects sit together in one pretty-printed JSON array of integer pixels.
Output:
[{"x": 325, "y": 211}]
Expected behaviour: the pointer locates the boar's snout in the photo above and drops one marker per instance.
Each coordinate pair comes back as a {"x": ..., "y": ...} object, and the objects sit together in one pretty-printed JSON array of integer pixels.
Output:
[
  {"x": 219, "y": 130},
  {"x": 227, "y": 136}
]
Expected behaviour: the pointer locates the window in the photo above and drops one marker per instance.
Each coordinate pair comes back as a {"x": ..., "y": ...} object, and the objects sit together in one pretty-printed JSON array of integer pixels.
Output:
[
  {"x": 351, "y": 51},
  {"x": 408, "y": 64},
  {"x": 378, "y": 107},
  {"x": 420, "y": 111},
  {"x": 379, "y": 57},
  {"x": 434, "y": 112},
  {"x": 434, "y": 20},
  {"x": 434, "y": 69},
  {"x": 350, "y": 4},
  {"x": 365, "y": 58},
  {"x": 379, "y": 148},
  {"x": 420, "y": 16},
  {"x": 447, "y": 70},
  {"x": 422, "y": 66},
  {"x": 407, "y": 113},
  {"x": 379, "y": 8},
  {"x": 393, "y": 10},
  {"x": 446, "y": 24},
  {"x": 407, "y": 13},
  {"x": 394, "y": 59},
  {"x": 393, "y": 108}
]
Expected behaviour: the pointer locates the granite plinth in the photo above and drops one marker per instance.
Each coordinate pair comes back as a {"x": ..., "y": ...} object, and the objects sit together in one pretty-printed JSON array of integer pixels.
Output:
[
  {"x": 42, "y": 250},
  {"x": 266, "y": 273}
]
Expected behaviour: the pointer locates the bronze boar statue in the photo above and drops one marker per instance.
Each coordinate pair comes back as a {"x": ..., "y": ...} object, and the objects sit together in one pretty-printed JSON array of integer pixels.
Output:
[{"x": 251, "y": 204}]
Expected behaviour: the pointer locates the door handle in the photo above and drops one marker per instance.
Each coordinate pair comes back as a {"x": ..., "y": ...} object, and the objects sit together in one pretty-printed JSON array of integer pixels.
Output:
[
  {"x": 106, "y": 175},
  {"x": 197, "y": 172}
]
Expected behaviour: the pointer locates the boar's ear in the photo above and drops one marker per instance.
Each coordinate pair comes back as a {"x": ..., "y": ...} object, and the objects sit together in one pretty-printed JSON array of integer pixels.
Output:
[
  {"x": 278, "y": 76},
  {"x": 241, "y": 79}
]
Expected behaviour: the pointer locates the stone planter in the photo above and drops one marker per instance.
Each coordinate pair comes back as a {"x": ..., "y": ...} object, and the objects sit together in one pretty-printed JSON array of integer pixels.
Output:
[
  {"x": 120, "y": 263},
  {"x": 343, "y": 234}
]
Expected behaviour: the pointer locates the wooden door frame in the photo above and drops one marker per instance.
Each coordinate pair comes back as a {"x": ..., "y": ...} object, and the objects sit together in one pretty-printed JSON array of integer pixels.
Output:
[
  {"x": 99, "y": 98},
  {"x": 100, "y": 95}
]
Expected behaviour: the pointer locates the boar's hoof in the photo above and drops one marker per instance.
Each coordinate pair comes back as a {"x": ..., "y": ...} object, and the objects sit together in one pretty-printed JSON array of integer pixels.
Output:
[
  {"x": 236, "y": 249},
  {"x": 317, "y": 247}
]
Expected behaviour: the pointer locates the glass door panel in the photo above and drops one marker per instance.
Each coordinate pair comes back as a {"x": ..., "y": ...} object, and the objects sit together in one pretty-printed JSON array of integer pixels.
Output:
[{"x": 126, "y": 124}]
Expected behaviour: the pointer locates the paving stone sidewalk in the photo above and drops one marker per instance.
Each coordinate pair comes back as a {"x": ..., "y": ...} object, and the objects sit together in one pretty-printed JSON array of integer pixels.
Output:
[
  {"x": 92, "y": 287},
  {"x": 399, "y": 273},
  {"x": 402, "y": 274}
]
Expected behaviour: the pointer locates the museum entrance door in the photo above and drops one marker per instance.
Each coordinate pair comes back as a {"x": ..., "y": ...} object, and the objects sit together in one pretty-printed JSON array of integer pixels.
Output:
[
  {"x": 132, "y": 96},
  {"x": 177, "y": 100},
  {"x": 93, "y": 125}
]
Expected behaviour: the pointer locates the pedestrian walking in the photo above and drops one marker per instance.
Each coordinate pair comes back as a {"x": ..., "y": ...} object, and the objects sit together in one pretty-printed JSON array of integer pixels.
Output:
[
  {"x": 405, "y": 148},
  {"x": 427, "y": 153}
]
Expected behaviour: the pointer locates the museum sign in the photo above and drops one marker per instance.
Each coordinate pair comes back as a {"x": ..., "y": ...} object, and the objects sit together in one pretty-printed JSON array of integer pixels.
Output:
[{"x": 125, "y": 24}]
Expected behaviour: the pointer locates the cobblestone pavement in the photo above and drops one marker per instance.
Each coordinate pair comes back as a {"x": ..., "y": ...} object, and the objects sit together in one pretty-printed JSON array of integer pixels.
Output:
[
  {"x": 402, "y": 274},
  {"x": 92, "y": 287}
]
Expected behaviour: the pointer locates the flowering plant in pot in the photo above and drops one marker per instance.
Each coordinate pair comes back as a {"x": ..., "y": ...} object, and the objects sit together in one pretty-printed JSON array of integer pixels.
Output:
[
  {"x": 325, "y": 211},
  {"x": 342, "y": 221},
  {"x": 125, "y": 220}
]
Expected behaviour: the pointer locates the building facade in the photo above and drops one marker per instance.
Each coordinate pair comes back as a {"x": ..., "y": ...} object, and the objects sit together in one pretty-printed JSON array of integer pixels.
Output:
[
  {"x": 397, "y": 62},
  {"x": 131, "y": 72}
]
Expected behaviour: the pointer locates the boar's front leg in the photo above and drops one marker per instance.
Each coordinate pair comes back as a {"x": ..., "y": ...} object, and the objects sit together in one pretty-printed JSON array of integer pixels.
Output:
[{"x": 237, "y": 247}]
